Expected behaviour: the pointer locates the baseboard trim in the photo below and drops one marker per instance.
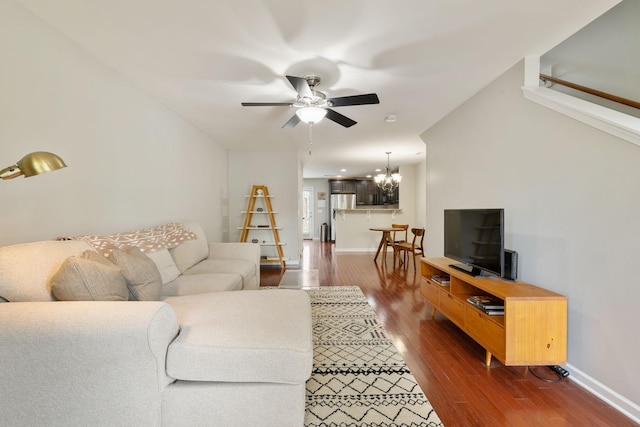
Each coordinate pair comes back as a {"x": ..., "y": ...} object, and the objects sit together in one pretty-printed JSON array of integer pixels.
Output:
[
  {"x": 613, "y": 398},
  {"x": 354, "y": 250}
]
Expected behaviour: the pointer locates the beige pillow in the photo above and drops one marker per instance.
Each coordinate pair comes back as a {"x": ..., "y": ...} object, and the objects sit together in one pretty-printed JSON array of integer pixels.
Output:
[
  {"x": 165, "y": 264},
  {"x": 140, "y": 272},
  {"x": 89, "y": 277}
]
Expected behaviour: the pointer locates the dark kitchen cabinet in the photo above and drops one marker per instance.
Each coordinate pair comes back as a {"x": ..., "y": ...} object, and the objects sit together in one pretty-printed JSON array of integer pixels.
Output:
[
  {"x": 366, "y": 190},
  {"x": 389, "y": 199},
  {"x": 362, "y": 192},
  {"x": 343, "y": 186}
]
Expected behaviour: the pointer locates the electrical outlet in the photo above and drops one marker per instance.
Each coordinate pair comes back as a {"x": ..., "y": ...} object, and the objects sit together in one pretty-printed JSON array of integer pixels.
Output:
[{"x": 560, "y": 370}]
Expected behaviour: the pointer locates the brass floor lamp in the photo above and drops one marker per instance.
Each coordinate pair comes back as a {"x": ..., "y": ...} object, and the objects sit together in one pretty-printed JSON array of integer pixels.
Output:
[{"x": 33, "y": 164}]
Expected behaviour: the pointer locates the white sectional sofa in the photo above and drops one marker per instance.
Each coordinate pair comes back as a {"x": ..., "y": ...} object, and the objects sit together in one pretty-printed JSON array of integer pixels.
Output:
[{"x": 211, "y": 350}]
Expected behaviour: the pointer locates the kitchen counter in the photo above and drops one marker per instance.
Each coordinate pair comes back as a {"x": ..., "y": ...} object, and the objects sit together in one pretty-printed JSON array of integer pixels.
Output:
[
  {"x": 353, "y": 232},
  {"x": 372, "y": 208}
]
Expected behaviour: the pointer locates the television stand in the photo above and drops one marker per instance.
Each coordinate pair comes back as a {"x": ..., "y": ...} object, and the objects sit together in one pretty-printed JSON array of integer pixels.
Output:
[
  {"x": 466, "y": 268},
  {"x": 532, "y": 331}
]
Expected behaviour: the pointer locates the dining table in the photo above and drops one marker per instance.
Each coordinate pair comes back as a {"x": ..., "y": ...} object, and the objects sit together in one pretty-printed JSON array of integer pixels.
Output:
[{"x": 385, "y": 241}]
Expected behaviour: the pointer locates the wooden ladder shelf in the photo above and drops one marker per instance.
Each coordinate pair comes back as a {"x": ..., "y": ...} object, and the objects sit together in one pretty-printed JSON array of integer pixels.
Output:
[{"x": 262, "y": 192}]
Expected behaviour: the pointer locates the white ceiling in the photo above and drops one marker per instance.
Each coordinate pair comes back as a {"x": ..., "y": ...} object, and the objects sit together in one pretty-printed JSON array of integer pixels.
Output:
[{"x": 202, "y": 58}]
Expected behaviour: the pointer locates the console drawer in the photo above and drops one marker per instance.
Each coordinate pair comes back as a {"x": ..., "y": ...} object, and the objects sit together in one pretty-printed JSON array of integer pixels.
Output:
[
  {"x": 430, "y": 292},
  {"x": 452, "y": 308},
  {"x": 486, "y": 332}
]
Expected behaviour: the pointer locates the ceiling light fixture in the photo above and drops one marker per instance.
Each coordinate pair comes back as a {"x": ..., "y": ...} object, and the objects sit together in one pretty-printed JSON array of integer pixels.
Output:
[
  {"x": 33, "y": 164},
  {"x": 388, "y": 181},
  {"x": 311, "y": 115}
]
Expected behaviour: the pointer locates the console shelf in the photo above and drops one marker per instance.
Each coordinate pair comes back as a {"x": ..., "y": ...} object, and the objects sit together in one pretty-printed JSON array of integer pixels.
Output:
[{"x": 533, "y": 330}]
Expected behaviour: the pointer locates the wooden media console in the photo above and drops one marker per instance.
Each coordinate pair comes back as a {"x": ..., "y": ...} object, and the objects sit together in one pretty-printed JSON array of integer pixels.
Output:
[{"x": 532, "y": 331}]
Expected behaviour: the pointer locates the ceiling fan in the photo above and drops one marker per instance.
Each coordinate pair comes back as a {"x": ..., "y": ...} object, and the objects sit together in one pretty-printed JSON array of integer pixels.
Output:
[{"x": 313, "y": 105}]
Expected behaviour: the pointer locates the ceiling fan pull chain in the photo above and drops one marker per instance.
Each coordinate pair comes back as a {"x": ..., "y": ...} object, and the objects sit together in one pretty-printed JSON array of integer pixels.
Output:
[{"x": 310, "y": 137}]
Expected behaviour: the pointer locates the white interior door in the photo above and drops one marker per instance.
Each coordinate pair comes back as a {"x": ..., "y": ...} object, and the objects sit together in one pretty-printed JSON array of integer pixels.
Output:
[{"x": 307, "y": 213}]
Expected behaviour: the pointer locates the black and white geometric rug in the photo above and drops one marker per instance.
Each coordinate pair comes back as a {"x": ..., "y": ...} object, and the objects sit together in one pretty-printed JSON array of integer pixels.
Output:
[{"x": 359, "y": 378}]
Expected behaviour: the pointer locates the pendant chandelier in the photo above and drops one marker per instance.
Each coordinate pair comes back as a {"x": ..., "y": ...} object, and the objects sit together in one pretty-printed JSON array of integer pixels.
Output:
[{"x": 388, "y": 181}]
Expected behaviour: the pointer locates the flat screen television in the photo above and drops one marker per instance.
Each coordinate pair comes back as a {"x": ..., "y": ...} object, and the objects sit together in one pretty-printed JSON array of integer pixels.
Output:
[{"x": 475, "y": 238}]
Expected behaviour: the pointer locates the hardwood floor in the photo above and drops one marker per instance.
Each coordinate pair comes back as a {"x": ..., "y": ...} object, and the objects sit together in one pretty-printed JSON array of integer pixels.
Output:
[{"x": 449, "y": 365}]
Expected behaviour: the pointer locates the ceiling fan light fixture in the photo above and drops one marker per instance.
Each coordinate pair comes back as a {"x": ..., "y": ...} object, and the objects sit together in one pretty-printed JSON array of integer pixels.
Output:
[
  {"x": 311, "y": 115},
  {"x": 312, "y": 106}
]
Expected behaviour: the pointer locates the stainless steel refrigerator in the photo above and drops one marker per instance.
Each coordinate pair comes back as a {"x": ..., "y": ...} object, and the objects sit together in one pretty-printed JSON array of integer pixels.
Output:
[{"x": 340, "y": 201}]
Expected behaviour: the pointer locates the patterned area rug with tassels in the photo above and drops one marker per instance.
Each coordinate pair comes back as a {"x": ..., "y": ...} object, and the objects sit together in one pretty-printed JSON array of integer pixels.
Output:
[{"x": 359, "y": 378}]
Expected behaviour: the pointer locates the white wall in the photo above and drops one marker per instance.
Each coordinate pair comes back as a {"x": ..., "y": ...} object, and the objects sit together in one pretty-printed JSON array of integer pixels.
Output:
[
  {"x": 421, "y": 196},
  {"x": 132, "y": 163},
  {"x": 277, "y": 170},
  {"x": 570, "y": 194},
  {"x": 603, "y": 56}
]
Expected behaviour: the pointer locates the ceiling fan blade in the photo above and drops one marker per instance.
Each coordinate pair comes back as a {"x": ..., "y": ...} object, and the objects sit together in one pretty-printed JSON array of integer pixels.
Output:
[
  {"x": 370, "y": 98},
  {"x": 266, "y": 104},
  {"x": 339, "y": 118},
  {"x": 301, "y": 86},
  {"x": 293, "y": 121}
]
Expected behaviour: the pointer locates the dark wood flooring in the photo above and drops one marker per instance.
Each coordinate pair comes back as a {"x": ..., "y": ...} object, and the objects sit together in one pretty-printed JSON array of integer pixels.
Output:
[{"x": 449, "y": 365}]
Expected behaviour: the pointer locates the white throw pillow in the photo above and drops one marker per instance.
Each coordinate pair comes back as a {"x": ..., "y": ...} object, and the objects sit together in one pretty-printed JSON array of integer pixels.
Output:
[
  {"x": 190, "y": 252},
  {"x": 167, "y": 268}
]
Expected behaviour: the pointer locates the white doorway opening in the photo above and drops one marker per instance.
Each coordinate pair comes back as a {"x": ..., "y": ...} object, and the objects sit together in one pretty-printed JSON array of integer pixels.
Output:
[{"x": 308, "y": 224}]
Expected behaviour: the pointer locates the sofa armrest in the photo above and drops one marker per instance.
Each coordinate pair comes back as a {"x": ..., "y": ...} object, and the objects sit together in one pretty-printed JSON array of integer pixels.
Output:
[
  {"x": 84, "y": 363},
  {"x": 237, "y": 250}
]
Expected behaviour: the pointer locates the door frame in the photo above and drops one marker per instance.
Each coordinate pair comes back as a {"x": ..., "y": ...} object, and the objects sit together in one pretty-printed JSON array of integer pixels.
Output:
[{"x": 311, "y": 220}]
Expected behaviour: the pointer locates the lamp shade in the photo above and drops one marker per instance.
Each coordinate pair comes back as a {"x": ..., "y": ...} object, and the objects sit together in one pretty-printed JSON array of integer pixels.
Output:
[
  {"x": 311, "y": 114},
  {"x": 33, "y": 164}
]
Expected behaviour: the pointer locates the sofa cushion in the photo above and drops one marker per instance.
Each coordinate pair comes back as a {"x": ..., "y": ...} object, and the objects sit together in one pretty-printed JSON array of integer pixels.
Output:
[
  {"x": 164, "y": 262},
  {"x": 143, "y": 278},
  {"x": 244, "y": 268},
  {"x": 249, "y": 336},
  {"x": 89, "y": 277},
  {"x": 202, "y": 283},
  {"x": 191, "y": 252},
  {"x": 25, "y": 269}
]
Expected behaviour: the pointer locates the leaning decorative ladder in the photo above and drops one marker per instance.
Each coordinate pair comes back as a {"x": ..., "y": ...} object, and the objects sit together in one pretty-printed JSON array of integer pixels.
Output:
[{"x": 261, "y": 192}]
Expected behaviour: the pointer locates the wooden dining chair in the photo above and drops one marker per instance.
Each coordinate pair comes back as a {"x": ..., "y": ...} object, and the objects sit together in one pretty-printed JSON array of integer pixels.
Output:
[
  {"x": 397, "y": 235},
  {"x": 415, "y": 247}
]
